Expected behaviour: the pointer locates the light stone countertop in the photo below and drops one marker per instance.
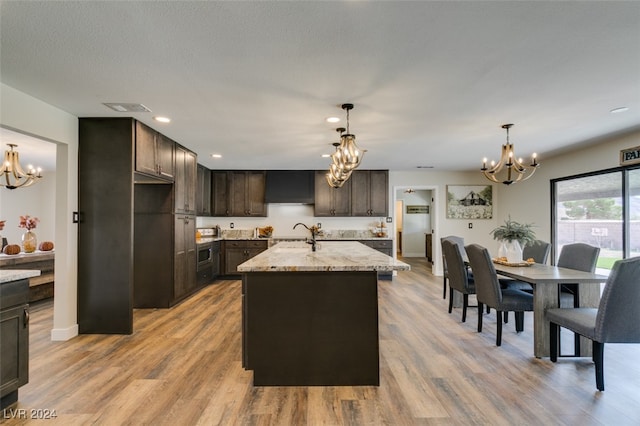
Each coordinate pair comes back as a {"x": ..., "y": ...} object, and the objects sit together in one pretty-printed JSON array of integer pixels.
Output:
[
  {"x": 330, "y": 256},
  {"x": 8, "y": 275}
]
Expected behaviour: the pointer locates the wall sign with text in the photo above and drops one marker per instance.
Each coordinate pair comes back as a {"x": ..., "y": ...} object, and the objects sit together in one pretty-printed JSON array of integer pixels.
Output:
[{"x": 630, "y": 156}]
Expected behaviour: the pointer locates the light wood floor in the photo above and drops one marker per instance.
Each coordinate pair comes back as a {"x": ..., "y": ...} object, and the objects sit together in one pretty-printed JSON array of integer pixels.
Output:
[{"x": 182, "y": 366}]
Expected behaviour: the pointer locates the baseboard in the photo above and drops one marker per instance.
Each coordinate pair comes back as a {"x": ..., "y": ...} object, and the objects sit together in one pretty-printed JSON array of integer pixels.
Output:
[
  {"x": 63, "y": 334},
  {"x": 408, "y": 254}
]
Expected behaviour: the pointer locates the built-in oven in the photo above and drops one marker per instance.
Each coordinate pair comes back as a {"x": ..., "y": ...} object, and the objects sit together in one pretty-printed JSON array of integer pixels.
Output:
[{"x": 205, "y": 256}]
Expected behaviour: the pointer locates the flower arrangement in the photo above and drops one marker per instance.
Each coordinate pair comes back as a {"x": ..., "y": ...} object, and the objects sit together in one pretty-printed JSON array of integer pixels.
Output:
[
  {"x": 2, "y": 222},
  {"x": 513, "y": 230},
  {"x": 28, "y": 222}
]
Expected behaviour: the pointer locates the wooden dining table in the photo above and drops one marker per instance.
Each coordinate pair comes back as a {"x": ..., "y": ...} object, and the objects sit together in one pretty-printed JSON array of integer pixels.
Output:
[{"x": 545, "y": 280}]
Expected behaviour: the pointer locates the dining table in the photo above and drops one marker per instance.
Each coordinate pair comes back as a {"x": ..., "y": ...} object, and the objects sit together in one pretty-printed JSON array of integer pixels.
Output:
[{"x": 545, "y": 280}]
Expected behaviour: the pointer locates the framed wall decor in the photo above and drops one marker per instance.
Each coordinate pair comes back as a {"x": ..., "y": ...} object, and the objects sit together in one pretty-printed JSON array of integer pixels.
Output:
[
  {"x": 469, "y": 202},
  {"x": 418, "y": 209}
]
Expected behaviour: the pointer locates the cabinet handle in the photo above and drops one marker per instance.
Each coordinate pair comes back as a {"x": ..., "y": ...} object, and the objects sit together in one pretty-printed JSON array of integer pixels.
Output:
[{"x": 25, "y": 318}]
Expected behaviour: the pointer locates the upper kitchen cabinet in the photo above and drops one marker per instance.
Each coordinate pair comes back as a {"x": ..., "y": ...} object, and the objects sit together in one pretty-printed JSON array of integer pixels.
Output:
[
  {"x": 331, "y": 201},
  {"x": 369, "y": 192},
  {"x": 247, "y": 190},
  {"x": 185, "y": 180},
  {"x": 220, "y": 193},
  {"x": 238, "y": 193},
  {"x": 154, "y": 153},
  {"x": 203, "y": 191}
]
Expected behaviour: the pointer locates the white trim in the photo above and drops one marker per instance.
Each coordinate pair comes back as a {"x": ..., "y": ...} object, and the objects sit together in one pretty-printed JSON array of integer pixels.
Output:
[{"x": 63, "y": 334}]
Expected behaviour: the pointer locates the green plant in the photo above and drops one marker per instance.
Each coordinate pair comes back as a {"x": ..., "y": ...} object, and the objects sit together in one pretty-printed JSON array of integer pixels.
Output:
[{"x": 512, "y": 230}]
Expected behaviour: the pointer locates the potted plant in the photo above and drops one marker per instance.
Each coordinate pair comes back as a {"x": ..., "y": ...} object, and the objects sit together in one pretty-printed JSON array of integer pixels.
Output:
[{"x": 513, "y": 237}]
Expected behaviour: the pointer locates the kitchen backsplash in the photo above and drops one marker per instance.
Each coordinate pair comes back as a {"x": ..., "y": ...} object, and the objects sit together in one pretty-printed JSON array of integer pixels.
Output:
[{"x": 283, "y": 217}]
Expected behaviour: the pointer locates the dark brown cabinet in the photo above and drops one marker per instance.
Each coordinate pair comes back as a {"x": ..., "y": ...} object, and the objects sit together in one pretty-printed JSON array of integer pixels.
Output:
[
  {"x": 238, "y": 193},
  {"x": 220, "y": 193},
  {"x": 154, "y": 153},
  {"x": 369, "y": 193},
  {"x": 331, "y": 201},
  {"x": 239, "y": 251},
  {"x": 428, "y": 247},
  {"x": 246, "y": 193},
  {"x": 203, "y": 191},
  {"x": 383, "y": 246},
  {"x": 14, "y": 339},
  {"x": 185, "y": 181},
  {"x": 131, "y": 246},
  {"x": 185, "y": 261}
]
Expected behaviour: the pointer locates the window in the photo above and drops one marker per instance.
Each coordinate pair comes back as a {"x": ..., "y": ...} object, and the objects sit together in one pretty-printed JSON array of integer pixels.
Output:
[{"x": 600, "y": 209}]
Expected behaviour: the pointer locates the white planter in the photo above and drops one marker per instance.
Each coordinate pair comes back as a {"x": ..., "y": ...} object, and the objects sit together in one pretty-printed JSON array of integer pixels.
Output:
[{"x": 513, "y": 251}]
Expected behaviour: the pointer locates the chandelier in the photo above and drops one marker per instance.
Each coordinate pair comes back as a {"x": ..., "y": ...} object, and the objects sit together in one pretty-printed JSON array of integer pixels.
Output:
[
  {"x": 12, "y": 173},
  {"x": 509, "y": 169},
  {"x": 347, "y": 156}
]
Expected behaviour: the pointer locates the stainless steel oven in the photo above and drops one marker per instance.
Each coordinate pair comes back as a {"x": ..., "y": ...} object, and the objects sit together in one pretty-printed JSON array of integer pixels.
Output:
[{"x": 205, "y": 257}]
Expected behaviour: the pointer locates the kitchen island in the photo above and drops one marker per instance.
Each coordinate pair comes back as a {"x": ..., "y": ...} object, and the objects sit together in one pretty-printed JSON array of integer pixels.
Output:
[{"x": 311, "y": 318}]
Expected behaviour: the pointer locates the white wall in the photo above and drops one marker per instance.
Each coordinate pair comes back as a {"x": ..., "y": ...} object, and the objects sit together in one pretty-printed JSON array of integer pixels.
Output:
[
  {"x": 530, "y": 201},
  {"x": 437, "y": 182},
  {"x": 38, "y": 201},
  {"x": 26, "y": 114}
]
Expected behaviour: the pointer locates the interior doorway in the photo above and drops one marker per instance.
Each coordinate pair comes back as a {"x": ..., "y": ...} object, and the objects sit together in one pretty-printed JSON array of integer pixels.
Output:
[{"x": 414, "y": 223}]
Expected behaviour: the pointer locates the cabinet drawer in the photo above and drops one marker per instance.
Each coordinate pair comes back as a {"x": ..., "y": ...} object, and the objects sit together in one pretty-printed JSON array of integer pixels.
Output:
[
  {"x": 385, "y": 244},
  {"x": 246, "y": 244}
]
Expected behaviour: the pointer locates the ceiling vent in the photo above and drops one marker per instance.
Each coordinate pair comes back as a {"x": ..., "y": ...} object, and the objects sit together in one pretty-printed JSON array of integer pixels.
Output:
[{"x": 123, "y": 107}]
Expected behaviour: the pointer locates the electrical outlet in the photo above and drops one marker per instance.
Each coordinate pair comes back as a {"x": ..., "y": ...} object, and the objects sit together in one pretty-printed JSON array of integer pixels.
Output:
[
  {"x": 319, "y": 225},
  {"x": 231, "y": 225},
  {"x": 389, "y": 219},
  {"x": 470, "y": 225}
]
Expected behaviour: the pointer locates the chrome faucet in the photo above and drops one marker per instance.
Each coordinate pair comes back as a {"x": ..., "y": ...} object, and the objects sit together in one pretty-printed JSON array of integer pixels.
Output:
[{"x": 313, "y": 235}]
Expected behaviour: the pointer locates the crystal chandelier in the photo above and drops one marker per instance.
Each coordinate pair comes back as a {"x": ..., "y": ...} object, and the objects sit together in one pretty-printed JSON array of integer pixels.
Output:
[
  {"x": 12, "y": 173},
  {"x": 509, "y": 169},
  {"x": 347, "y": 156}
]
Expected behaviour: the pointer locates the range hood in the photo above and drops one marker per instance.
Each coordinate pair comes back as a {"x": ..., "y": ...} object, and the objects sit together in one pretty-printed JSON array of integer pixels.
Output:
[{"x": 290, "y": 186}]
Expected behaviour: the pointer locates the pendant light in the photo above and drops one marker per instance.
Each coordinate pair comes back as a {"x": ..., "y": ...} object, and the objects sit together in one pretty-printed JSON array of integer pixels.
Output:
[
  {"x": 351, "y": 155},
  {"x": 509, "y": 169},
  {"x": 12, "y": 173}
]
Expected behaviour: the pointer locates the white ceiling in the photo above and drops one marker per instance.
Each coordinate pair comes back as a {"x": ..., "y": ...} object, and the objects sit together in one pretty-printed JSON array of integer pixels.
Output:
[{"x": 432, "y": 82}]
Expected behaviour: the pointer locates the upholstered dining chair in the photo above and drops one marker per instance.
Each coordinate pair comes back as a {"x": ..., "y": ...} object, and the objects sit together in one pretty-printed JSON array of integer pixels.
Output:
[
  {"x": 488, "y": 291},
  {"x": 579, "y": 256},
  {"x": 459, "y": 279},
  {"x": 460, "y": 242},
  {"x": 582, "y": 257},
  {"x": 616, "y": 320}
]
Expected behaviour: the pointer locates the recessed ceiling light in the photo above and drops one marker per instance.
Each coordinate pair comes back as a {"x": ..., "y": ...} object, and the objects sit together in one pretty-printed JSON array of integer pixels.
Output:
[
  {"x": 333, "y": 120},
  {"x": 326, "y": 155},
  {"x": 216, "y": 155},
  {"x": 619, "y": 109},
  {"x": 162, "y": 119}
]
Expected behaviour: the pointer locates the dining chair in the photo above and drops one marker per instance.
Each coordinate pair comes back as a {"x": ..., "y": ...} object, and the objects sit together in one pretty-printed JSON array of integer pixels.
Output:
[
  {"x": 488, "y": 291},
  {"x": 616, "y": 320},
  {"x": 581, "y": 257},
  {"x": 460, "y": 242},
  {"x": 459, "y": 279}
]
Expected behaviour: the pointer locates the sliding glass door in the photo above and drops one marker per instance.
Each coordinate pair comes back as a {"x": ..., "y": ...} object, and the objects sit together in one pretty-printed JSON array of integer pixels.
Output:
[{"x": 600, "y": 209}]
